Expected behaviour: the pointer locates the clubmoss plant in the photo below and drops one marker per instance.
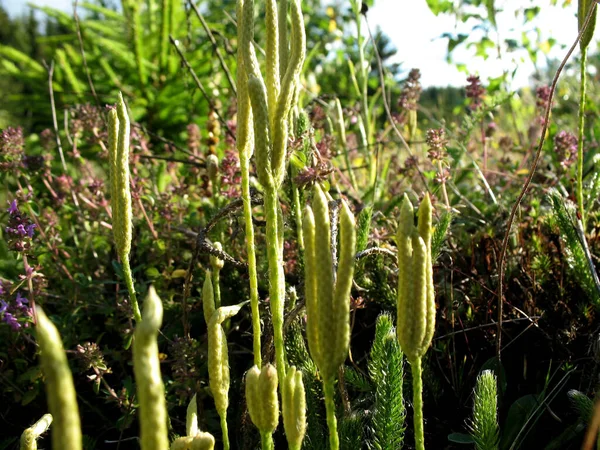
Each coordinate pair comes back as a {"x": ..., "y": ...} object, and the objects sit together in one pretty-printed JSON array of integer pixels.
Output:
[
  {"x": 31, "y": 434},
  {"x": 118, "y": 146},
  {"x": 386, "y": 370},
  {"x": 328, "y": 295},
  {"x": 218, "y": 359},
  {"x": 263, "y": 405},
  {"x": 416, "y": 298},
  {"x": 149, "y": 385},
  {"x": 245, "y": 147},
  {"x": 271, "y": 104},
  {"x": 484, "y": 427},
  {"x": 293, "y": 408},
  {"x": 60, "y": 390}
]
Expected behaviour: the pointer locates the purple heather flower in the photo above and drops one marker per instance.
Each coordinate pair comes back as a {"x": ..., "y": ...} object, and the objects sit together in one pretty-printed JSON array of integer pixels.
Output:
[
  {"x": 21, "y": 300},
  {"x": 436, "y": 140},
  {"x": 21, "y": 230},
  {"x": 12, "y": 321},
  {"x": 13, "y": 208},
  {"x": 3, "y": 306},
  {"x": 30, "y": 229},
  {"x": 475, "y": 91},
  {"x": 565, "y": 146}
]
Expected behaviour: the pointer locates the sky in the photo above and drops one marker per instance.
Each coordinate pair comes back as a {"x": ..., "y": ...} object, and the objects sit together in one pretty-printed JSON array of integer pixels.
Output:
[{"x": 416, "y": 33}]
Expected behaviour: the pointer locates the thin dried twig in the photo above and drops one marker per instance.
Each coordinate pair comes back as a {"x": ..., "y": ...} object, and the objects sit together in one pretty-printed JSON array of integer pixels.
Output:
[
  {"x": 84, "y": 59},
  {"x": 215, "y": 46},
  {"x": 201, "y": 87},
  {"x": 375, "y": 251},
  {"x": 527, "y": 183},
  {"x": 50, "y": 70}
]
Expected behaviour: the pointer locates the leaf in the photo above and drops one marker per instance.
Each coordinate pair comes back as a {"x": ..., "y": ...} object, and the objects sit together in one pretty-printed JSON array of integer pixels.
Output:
[
  {"x": 460, "y": 438},
  {"x": 107, "y": 13},
  {"x": 518, "y": 414},
  {"x": 491, "y": 12},
  {"x": 439, "y": 6},
  {"x": 582, "y": 12},
  {"x": 21, "y": 58}
]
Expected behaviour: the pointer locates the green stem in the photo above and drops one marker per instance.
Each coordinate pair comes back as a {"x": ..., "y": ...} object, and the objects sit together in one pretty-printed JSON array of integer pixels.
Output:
[
  {"x": 298, "y": 214},
  {"x": 582, "y": 88},
  {"x": 137, "y": 315},
  {"x": 417, "y": 372},
  {"x": 328, "y": 387},
  {"x": 276, "y": 277},
  {"x": 216, "y": 281},
  {"x": 266, "y": 440},
  {"x": 245, "y": 169},
  {"x": 364, "y": 74},
  {"x": 225, "y": 432}
]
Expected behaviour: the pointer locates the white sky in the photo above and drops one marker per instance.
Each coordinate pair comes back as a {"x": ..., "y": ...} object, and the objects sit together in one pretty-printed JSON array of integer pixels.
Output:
[{"x": 415, "y": 32}]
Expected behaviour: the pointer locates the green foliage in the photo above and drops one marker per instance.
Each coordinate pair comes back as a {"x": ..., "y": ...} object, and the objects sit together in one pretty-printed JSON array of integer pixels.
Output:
[
  {"x": 563, "y": 217},
  {"x": 484, "y": 425},
  {"x": 386, "y": 369}
]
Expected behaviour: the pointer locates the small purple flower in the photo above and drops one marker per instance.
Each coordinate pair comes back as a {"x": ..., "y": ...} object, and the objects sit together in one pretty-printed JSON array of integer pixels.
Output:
[
  {"x": 12, "y": 321},
  {"x": 3, "y": 306},
  {"x": 30, "y": 229},
  {"x": 13, "y": 208},
  {"x": 21, "y": 300},
  {"x": 21, "y": 230}
]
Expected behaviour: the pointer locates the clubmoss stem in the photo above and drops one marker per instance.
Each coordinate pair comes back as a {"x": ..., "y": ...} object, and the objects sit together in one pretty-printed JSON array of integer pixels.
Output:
[
  {"x": 417, "y": 380},
  {"x": 276, "y": 277},
  {"x": 266, "y": 440},
  {"x": 328, "y": 387},
  {"x": 225, "y": 432},
  {"x": 251, "y": 251}
]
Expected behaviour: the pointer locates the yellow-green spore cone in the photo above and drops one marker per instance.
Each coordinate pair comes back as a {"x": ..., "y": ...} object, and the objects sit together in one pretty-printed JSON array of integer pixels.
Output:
[
  {"x": 31, "y": 434},
  {"x": 204, "y": 441},
  {"x": 60, "y": 390},
  {"x": 124, "y": 227},
  {"x": 218, "y": 364},
  {"x": 149, "y": 384},
  {"x": 261, "y": 398},
  {"x": 293, "y": 408},
  {"x": 191, "y": 418}
]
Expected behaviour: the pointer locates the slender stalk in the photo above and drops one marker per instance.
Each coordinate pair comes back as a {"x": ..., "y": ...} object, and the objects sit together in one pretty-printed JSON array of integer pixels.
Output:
[
  {"x": 444, "y": 190},
  {"x": 128, "y": 277},
  {"x": 266, "y": 440},
  {"x": 216, "y": 275},
  {"x": 582, "y": 89},
  {"x": 298, "y": 214},
  {"x": 417, "y": 372},
  {"x": 364, "y": 74},
  {"x": 276, "y": 277},
  {"x": 245, "y": 169},
  {"x": 225, "y": 432},
  {"x": 328, "y": 387}
]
